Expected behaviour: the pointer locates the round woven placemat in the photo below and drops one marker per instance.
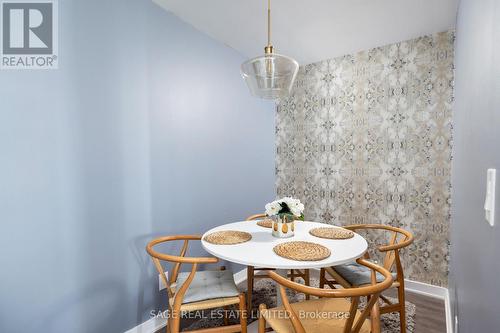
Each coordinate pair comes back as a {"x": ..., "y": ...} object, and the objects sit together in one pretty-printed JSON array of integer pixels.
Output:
[
  {"x": 267, "y": 223},
  {"x": 332, "y": 233},
  {"x": 228, "y": 237},
  {"x": 302, "y": 251}
]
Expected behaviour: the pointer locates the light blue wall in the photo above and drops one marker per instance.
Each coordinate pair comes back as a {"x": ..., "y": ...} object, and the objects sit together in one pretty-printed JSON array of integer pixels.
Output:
[
  {"x": 212, "y": 144},
  {"x": 145, "y": 129},
  {"x": 475, "y": 246}
]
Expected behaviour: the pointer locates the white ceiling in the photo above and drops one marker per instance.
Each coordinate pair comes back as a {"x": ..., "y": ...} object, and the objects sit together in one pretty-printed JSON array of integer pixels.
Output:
[{"x": 313, "y": 30}]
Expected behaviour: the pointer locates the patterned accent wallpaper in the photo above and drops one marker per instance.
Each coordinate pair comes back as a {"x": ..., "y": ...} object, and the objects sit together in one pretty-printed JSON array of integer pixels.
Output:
[{"x": 366, "y": 138}]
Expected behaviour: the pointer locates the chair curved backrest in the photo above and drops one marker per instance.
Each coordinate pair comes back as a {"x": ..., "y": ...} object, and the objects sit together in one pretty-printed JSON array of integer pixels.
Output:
[
  {"x": 177, "y": 260},
  {"x": 352, "y": 324},
  {"x": 255, "y": 217},
  {"x": 400, "y": 239}
]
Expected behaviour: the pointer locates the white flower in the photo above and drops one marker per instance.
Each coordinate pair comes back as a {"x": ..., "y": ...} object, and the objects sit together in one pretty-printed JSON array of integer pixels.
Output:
[
  {"x": 296, "y": 207},
  {"x": 273, "y": 208}
]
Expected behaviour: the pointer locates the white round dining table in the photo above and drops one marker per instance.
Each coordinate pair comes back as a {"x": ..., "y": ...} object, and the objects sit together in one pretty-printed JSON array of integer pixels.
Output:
[{"x": 258, "y": 251}]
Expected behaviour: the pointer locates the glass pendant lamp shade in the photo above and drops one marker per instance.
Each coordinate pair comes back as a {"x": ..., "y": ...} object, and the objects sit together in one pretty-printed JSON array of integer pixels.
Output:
[{"x": 270, "y": 76}]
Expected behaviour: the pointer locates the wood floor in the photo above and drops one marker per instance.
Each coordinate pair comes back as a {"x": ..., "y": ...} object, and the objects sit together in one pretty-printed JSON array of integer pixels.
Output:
[{"x": 431, "y": 314}]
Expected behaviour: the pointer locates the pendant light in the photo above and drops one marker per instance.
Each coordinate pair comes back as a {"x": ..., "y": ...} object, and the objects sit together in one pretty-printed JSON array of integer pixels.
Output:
[{"x": 270, "y": 76}]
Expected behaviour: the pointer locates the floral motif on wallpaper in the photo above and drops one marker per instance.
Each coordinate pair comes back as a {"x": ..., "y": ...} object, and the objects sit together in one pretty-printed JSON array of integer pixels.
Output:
[{"x": 366, "y": 138}]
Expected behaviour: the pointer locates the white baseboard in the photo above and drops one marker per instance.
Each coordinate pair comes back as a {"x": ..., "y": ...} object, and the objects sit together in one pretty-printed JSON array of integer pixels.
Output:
[
  {"x": 449, "y": 320},
  {"x": 426, "y": 289},
  {"x": 154, "y": 324},
  {"x": 240, "y": 276},
  {"x": 150, "y": 326}
]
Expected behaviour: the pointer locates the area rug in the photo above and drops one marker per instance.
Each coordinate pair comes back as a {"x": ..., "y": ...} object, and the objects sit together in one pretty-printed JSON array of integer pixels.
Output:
[{"x": 265, "y": 292}]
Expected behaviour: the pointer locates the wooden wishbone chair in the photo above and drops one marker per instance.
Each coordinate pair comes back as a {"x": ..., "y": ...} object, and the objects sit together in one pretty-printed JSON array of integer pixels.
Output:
[
  {"x": 330, "y": 313},
  {"x": 191, "y": 291},
  {"x": 351, "y": 275},
  {"x": 252, "y": 276}
]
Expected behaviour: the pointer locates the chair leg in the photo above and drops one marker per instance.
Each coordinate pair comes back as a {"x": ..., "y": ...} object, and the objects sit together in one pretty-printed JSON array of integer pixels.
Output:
[
  {"x": 175, "y": 323},
  {"x": 226, "y": 319},
  {"x": 243, "y": 314},
  {"x": 307, "y": 281},
  {"x": 374, "y": 316},
  {"x": 402, "y": 308},
  {"x": 322, "y": 278},
  {"x": 169, "y": 324},
  {"x": 250, "y": 277},
  {"x": 262, "y": 320}
]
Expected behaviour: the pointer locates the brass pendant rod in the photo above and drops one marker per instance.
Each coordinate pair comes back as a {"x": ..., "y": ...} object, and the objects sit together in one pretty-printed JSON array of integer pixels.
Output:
[
  {"x": 269, "y": 47},
  {"x": 268, "y": 22}
]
